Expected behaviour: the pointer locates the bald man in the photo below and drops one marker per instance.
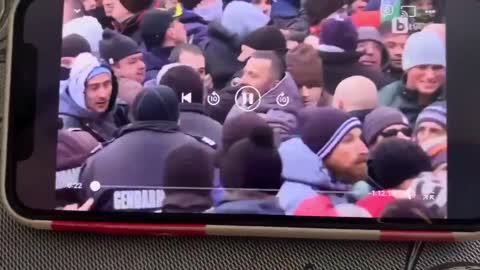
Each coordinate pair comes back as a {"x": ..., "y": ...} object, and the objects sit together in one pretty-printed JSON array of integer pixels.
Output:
[{"x": 356, "y": 95}]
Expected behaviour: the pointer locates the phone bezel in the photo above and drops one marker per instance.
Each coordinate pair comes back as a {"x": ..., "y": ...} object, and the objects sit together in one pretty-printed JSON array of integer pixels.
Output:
[{"x": 460, "y": 145}]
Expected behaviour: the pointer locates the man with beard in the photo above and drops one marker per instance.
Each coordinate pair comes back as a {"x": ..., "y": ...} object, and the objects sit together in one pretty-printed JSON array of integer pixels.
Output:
[
  {"x": 424, "y": 62},
  {"x": 329, "y": 155}
]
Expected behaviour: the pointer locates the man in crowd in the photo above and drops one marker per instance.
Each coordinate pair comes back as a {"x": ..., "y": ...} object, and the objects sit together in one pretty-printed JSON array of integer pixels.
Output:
[
  {"x": 123, "y": 55},
  {"x": 191, "y": 55},
  {"x": 238, "y": 20},
  {"x": 424, "y": 62},
  {"x": 357, "y": 96},
  {"x": 329, "y": 155},
  {"x": 385, "y": 122},
  {"x": 431, "y": 123},
  {"x": 88, "y": 101},
  {"x": 305, "y": 66},
  {"x": 128, "y": 15},
  {"x": 375, "y": 55},
  {"x": 184, "y": 80},
  {"x": 266, "y": 38},
  {"x": 126, "y": 60},
  {"x": 152, "y": 136},
  {"x": 266, "y": 79},
  {"x": 161, "y": 31},
  {"x": 338, "y": 50},
  {"x": 395, "y": 44}
]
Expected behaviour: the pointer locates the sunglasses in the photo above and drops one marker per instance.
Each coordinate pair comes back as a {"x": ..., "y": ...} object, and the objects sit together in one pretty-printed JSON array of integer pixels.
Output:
[{"x": 394, "y": 132}]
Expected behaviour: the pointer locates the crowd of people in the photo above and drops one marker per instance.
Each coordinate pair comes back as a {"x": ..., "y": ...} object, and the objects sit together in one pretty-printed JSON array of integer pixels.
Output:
[{"x": 348, "y": 119}]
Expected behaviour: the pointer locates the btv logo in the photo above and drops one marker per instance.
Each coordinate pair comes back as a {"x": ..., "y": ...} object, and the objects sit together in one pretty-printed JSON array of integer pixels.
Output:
[{"x": 400, "y": 25}]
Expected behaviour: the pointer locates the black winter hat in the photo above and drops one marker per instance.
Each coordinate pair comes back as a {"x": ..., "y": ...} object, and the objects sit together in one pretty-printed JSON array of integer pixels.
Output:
[
  {"x": 322, "y": 129},
  {"x": 189, "y": 165},
  {"x": 395, "y": 160},
  {"x": 115, "y": 46},
  {"x": 184, "y": 79},
  {"x": 253, "y": 162},
  {"x": 73, "y": 45},
  {"x": 154, "y": 26},
  {"x": 135, "y": 6},
  {"x": 240, "y": 127},
  {"x": 267, "y": 38},
  {"x": 157, "y": 103}
]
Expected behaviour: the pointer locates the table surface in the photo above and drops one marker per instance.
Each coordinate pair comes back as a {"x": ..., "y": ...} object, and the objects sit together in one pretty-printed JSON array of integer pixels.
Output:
[{"x": 25, "y": 248}]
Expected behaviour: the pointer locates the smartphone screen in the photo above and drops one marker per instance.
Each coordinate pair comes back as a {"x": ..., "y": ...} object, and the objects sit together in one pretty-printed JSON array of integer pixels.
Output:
[{"x": 282, "y": 108}]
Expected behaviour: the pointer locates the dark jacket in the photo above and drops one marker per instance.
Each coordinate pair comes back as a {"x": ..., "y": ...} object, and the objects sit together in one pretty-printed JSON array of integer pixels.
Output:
[
  {"x": 221, "y": 55},
  {"x": 193, "y": 120},
  {"x": 103, "y": 19},
  {"x": 155, "y": 59},
  {"x": 197, "y": 28},
  {"x": 131, "y": 27},
  {"x": 339, "y": 66},
  {"x": 396, "y": 95},
  {"x": 134, "y": 161}
]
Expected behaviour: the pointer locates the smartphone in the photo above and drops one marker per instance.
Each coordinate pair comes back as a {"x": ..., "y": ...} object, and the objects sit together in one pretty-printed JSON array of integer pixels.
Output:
[{"x": 137, "y": 117}]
